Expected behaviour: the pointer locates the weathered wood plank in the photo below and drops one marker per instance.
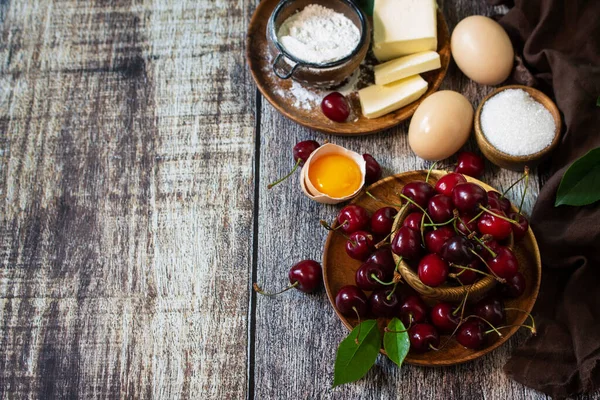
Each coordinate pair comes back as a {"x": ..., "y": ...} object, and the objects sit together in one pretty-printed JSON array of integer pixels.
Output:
[
  {"x": 126, "y": 138},
  {"x": 297, "y": 335}
]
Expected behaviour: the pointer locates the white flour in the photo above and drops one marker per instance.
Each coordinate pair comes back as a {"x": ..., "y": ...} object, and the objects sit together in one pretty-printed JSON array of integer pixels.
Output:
[{"x": 318, "y": 35}]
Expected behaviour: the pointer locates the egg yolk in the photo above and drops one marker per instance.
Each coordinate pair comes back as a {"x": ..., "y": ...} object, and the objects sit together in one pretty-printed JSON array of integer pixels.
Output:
[{"x": 335, "y": 175}]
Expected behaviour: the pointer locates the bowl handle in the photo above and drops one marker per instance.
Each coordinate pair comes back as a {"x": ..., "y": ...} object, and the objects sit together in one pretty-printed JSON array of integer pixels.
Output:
[{"x": 280, "y": 70}]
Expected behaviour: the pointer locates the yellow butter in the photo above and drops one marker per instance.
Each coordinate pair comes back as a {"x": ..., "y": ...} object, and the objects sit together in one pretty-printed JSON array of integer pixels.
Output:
[
  {"x": 378, "y": 100},
  {"x": 406, "y": 66},
  {"x": 402, "y": 27}
]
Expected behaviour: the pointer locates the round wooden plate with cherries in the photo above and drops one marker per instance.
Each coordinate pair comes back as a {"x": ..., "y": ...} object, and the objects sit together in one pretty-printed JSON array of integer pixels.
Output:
[{"x": 455, "y": 232}]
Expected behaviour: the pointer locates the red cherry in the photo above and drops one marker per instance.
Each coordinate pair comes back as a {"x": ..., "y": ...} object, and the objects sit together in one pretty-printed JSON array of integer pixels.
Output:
[
  {"x": 414, "y": 309},
  {"x": 498, "y": 228},
  {"x": 384, "y": 303},
  {"x": 382, "y": 220},
  {"x": 470, "y": 164},
  {"x": 519, "y": 231},
  {"x": 447, "y": 182},
  {"x": 471, "y": 334},
  {"x": 491, "y": 309},
  {"x": 433, "y": 271},
  {"x": 353, "y": 218},
  {"x": 467, "y": 197},
  {"x": 465, "y": 225},
  {"x": 364, "y": 276},
  {"x": 457, "y": 250},
  {"x": 505, "y": 264},
  {"x": 384, "y": 258},
  {"x": 373, "y": 169},
  {"x": 407, "y": 243},
  {"x": 360, "y": 245},
  {"x": 440, "y": 208},
  {"x": 308, "y": 274},
  {"x": 303, "y": 150},
  {"x": 467, "y": 276},
  {"x": 434, "y": 240},
  {"x": 495, "y": 200},
  {"x": 514, "y": 287},
  {"x": 413, "y": 221},
  {"x": 349, "y": 298},
  {"x": 335, "y": 107},
  {"x": 423, "y": 337},
  {"x": 418, "y": 191},
  {"x": 443, "y": 318}
]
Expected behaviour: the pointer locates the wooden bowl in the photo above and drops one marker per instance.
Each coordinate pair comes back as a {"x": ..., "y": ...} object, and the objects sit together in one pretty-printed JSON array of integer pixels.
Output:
[
  {"x": 339, "y": 270},
  {"x": 517, "y": 163},
  {"x": 280, "y": 92},
  {"x": 327, "y": 74}
]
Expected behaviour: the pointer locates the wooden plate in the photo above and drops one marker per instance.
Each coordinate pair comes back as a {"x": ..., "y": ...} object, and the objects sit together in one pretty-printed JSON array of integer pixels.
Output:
[
  {"x": 339, "y": 270},
  {"x": 278, "y": 91}
]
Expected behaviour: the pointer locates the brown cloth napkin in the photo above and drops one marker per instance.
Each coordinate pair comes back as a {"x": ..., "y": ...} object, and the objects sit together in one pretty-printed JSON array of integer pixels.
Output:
[{"x": 558, "y": 42}]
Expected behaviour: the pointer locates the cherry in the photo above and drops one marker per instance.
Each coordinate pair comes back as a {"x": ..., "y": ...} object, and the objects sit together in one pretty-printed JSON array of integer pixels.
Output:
[
  {"x": 491, "y": 309},
  {"x": 493, "y": 245},
  {"x": 364, "y": 276},
  {"x": 373, "y": 169},
  {"x": 350, "y": 300},
  {"x": 384, "y": 303},
  {"x": 465, "y": 224},
  {"x": 495, "y": 200},
  {"x": 413, "y": 310},
  {"x": 306, "y": 276},
  {"x": 418, "y": 191},
  {"x": 457, "y": 250},
  {"x": 467, "y": 276},
  {"x": 497, "y": 227},
  {"x": 447, "y": 182},
  {"x": 514, "y": 287},
  {"x": 360, "y": 245},
  {"x": 335, "y": 107},
  {"x": 440, "y": 208},
  {"x": 470, "y": 164},
  {"x": 505, "y": 264},
  {"x": 353, "y": 218},
  {"x": 423, "y": 337},
  {"x": 519, "y": 231},
  {"x": 382, "y": 220},
  {"x": 302, "y": 150},
  {"x": 471, "y": 334},
  {"x": 434, "y": 240},
  {"x": 384, "y": 258},
  {"x": 407, "y": 243},
  {"x": 413, "y": 221},
  {"x": 433, "y": 271},
  {"x": 443, "y": 318},
  {"x": 467, "y": 197}
]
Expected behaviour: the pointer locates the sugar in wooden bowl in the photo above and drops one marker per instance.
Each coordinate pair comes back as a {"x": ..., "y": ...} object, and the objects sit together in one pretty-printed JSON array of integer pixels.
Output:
[{"x": 517, "y": 126}]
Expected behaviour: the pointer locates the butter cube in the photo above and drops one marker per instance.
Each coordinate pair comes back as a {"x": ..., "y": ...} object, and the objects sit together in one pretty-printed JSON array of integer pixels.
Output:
[
  {"x": 406, "y": 66},
  {"x": 378, "y": 100},
  {"x": 402, "y": 27}
]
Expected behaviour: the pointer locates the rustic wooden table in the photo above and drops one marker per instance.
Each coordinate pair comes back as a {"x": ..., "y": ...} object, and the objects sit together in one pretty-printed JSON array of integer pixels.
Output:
[{"x": 134, "y": 157}]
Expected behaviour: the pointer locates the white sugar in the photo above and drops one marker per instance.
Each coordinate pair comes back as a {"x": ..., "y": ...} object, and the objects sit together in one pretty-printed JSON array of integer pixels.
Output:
[{"x": 516, "y": 124}]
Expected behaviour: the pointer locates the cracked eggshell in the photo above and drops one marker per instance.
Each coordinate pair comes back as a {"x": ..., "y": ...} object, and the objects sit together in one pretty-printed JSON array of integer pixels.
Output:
[{"x": 329, "y": 148}]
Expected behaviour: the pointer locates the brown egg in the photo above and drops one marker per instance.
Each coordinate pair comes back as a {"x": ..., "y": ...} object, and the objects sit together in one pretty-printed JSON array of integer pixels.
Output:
[
  {"x": 441, "y": 125},
  {"x": 482, "y": 50}
]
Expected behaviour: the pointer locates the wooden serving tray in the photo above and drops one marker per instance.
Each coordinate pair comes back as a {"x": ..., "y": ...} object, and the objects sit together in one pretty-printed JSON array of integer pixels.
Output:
[
  {"x": 339, "y": 270},
  {"x": 278, "y": 91}
]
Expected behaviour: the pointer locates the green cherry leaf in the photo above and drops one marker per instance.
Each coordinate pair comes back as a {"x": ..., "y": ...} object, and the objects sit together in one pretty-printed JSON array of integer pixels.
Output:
[
  {"x": 580, "y": 185},
  {"x": 396, "y": 345},
  {"x": 353, "y": 360}
]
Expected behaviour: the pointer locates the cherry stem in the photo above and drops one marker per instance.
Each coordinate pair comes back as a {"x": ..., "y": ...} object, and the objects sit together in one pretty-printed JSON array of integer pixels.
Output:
[
  {"x": 442, "y": 223},
  {"x": 524, "y": 190},
  {"x": 398, "y": 264},
  {"x": 423, "y": 228},
  {"x": 429, "y": 172},
  {"x": 513, "y": 185},
  {"x": 325, "y": 225},
  {"x": 358, "y": 333},
  {"x": 389, "y": 296},
  {"x": 411, "y": 201},
  {"x": 501, "y": 280},
  {"x": 485, "y": 246},
  {"x": 384, "y": 202},
  {"x": 459, "y": 219},
  {"x": 475, "y": 217},
  {"x": 287, "y": 176},
  {"x": 432, "y": 347},
  {"x": 494, "y": 329},
  {"x": 258, "y": 290},
  {"x": 470, "y": 269},
  {"x": 376, "y": 279},
  {"x": 512, "y": 221},
  {"x": 533, "y": 329}
]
